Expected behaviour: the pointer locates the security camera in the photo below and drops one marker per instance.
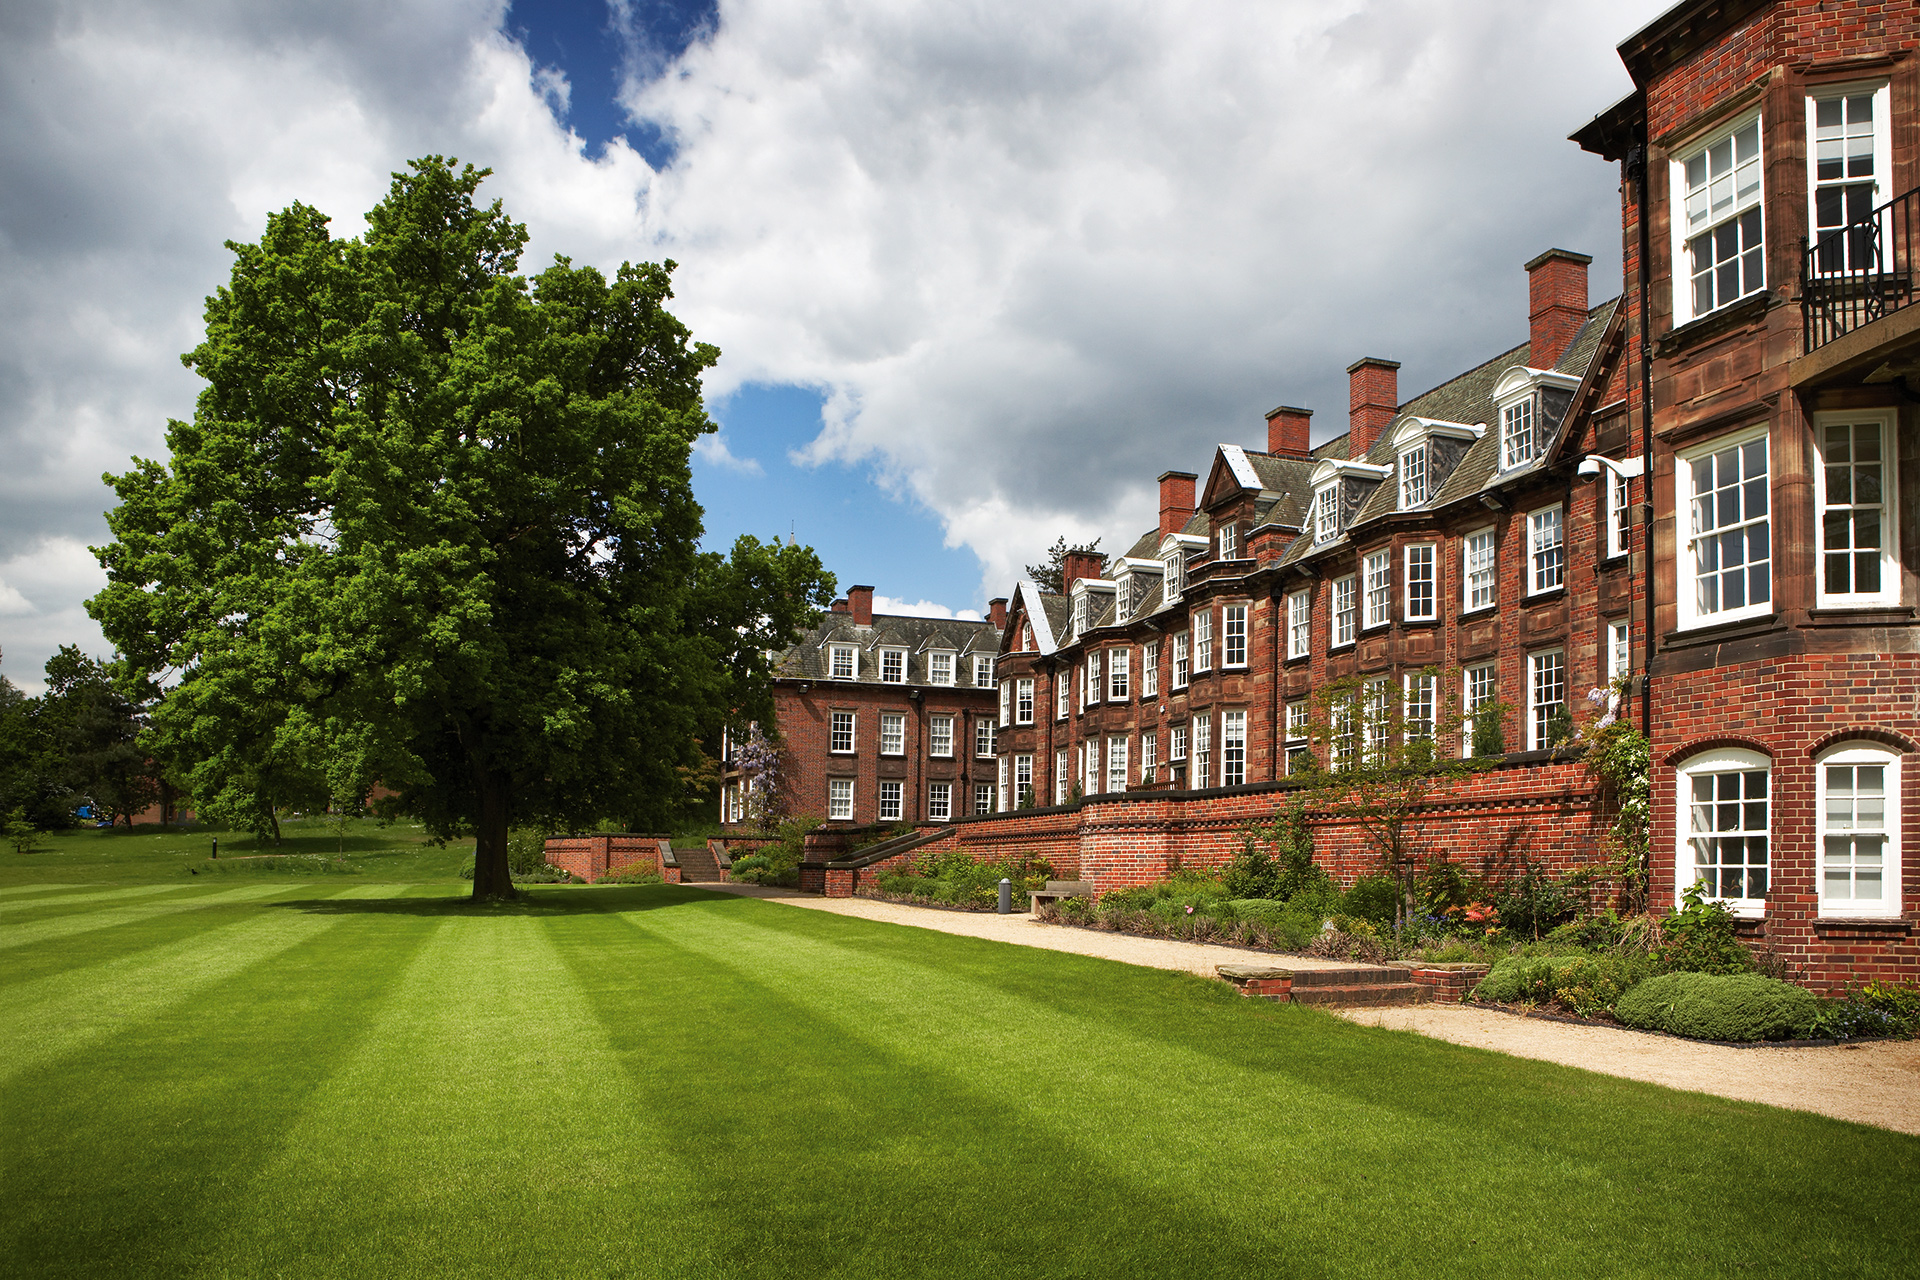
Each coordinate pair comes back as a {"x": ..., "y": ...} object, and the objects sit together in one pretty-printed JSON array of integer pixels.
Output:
[{"x": 1589, "y": 468}]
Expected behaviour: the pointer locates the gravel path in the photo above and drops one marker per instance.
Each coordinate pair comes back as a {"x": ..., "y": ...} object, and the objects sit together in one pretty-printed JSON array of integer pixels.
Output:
[{"x": 1876, "y": 1084}]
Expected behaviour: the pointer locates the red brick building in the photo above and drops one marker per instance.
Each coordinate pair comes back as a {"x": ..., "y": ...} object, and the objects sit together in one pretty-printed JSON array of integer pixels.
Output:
[
  {"x": 1456, "y": 532},
  {"x": 1768, "y": 174},
  {"x": 885, "y": 718}
]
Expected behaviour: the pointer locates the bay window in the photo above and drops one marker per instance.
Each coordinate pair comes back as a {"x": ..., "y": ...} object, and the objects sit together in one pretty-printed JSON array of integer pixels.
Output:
[
  {"x": 1343, "y": 610},
  {"x": 1853, "y": 487},
  {"x": 1718, "y": 236},
  {"x": 1726, "y": 568},
  {"x": 1299, "y": 624},
  {"x": 1546, "y": 550},
  {"x": 1233, "y": 636},
  {"x": 1379, "y": 571}
]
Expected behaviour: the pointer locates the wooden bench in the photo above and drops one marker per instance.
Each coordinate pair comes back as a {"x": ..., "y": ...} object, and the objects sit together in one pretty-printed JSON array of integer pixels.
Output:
[{"x": 1058, "y": 889}]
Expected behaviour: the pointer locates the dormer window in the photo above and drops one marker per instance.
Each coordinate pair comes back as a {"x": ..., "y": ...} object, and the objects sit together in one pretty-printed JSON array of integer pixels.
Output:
[
  {"x": 1173, "y": 576},
  {"x": 1413, "y": 478},
  {"x": 1516, "y": 434},
  {"x": 893, "y": 666},
  {"x": 1081, "y": 612},
  {"x": 1123, "y": 599},
  {"x": 1326, "y": 513},
  {"x": 1532, "y": 404},
  {"x": 940, "y": 667},
  {"x": 1229, "y": 542},
  {"x": 843, "y": 662}
]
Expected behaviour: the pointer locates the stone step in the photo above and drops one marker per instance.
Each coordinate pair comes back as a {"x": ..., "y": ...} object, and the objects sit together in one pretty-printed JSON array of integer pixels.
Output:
[
  {"x": 1364, "y": 996},
  {"x": 1358, "y": 976},
  {"x": 697, "y": 866}
]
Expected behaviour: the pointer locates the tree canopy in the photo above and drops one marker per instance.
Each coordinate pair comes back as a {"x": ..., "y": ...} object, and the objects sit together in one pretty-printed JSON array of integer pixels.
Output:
[
  {"x": 433, "y": 526},
  {"x": 1051, "y": 576}
]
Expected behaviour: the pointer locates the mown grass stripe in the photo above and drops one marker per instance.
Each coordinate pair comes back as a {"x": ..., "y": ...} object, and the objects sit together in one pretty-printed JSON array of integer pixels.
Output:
[
  {"x": 54, "y": 928},
  {"x": 90, "y": 897},
  {"x": 116, "y": 1154},
  {"x": 970, "y": 1014},
  {"x": 9, "y": 890},
  {"x": 487, "y": 1105},
  {"x": 44, "y": 1020}
]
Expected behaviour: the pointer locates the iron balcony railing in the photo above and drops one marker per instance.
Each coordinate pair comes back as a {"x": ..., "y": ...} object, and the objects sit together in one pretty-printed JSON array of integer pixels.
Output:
[{"x": 1854, "y": 275}]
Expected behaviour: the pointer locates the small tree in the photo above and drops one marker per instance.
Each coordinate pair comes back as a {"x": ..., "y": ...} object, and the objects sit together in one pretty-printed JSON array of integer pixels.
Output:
[
  {"x": 1051, "y": 576},
  {"x": 763, "y": 764},
  {"x": 1383, "y": 749}
]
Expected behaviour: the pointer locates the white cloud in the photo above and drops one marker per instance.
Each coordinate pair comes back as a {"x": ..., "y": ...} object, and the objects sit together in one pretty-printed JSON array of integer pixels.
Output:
[
  {"x": 43, "y": 594},
  {"x": 922, "y": 609},
  {"x": 713, "y": 450},
  {"x": 1033, "y": 254}
]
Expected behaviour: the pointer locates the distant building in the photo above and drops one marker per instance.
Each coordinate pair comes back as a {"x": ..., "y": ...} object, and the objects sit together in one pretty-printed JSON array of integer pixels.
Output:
[{"x": 885, "y": 718}]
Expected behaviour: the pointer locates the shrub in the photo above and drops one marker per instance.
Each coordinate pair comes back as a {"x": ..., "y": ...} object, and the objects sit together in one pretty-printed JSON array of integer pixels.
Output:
[
  {"x": 1849, "y": 1019},
  {"x": 1276, "y": 861},
  {"x": 1288, "y": 925},
  {"x": 1902, "y": 1004},
  {"x": 1353, "y": 940},
  {"x": 1709, "y": 1006},
  {"x": 1531, "y": 904},
  {"x": 634, "y": 873},
  {"x": 1374, "y": 899},
  {"x": 777, "y": 863},
  {"x": 527, "y": 852},
  {"x": 1580, "y": 983},
  {"x": 1700, "y": 938}
]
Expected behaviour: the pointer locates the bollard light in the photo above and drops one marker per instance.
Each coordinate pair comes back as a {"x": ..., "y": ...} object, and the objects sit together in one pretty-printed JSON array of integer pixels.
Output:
[
  {"x": 216, "y": 846},
  {"x": 1006, "y": 896}
]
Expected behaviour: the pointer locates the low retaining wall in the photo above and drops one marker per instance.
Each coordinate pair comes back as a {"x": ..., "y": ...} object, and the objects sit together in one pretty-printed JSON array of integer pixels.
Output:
[
  {"x": 1449, "y": 983},
  {"x": 1529, "y": 809},
  {"x": 591, "y": 858}
]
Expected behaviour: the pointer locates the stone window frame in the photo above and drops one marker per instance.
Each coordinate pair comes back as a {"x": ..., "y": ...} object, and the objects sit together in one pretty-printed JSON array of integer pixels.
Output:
[
  {"x": 1546, "y": 549},
  {"x": 939, "y": 802},
  {"x": 1346, "y": 615},
  {"x": 1472, "y": 576},
  {"x": 897, "y": 722},
  {"x": 935, "y": 723},
  {"x": 890, "y": 803},
  {"x": 1682, "y": 233},
  {"x": 1417, "y": 576},
  {"x": 1023, "y": 701},
  {"x": 839, "y": 799}
]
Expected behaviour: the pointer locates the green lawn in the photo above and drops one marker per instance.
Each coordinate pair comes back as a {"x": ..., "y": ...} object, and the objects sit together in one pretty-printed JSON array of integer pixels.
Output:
[{"x": 253, "y": 1074}]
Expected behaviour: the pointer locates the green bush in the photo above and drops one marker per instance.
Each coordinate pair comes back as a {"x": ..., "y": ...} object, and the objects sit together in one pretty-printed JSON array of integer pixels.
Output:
[
  {"x": 1533, "y": 903},
  {"x": 1287, "y": 925},
  {"x": 1700, "y": 938},
  {"x": 1374, "y": 899},
  {"x": 1710, "y": 1006},
  {"x": 777, "y": 863},
  {"x": 634, "y": 873},
  {"x": 1901, "y": 1004},
  {"x": 1580, "y": 983}
]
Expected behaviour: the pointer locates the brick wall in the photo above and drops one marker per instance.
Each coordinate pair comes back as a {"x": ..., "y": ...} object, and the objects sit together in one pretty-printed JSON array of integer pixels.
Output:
[{"x": 590, "y": 858}]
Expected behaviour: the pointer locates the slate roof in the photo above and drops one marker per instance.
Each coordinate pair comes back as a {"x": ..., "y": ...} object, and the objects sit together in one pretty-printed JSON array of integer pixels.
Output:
[
  {"x": 1286, "y": 484},
  {"x": 1468, "y": 399},
  {"x": 808, "y": 659}
]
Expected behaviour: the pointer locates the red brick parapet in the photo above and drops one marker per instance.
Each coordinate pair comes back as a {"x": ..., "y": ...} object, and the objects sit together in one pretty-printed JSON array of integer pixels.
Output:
[{"x": 1448, "y": 983}]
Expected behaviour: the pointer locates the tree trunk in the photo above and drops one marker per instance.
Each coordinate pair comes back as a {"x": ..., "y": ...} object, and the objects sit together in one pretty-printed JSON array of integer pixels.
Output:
[{"x": 492, "y": 878}]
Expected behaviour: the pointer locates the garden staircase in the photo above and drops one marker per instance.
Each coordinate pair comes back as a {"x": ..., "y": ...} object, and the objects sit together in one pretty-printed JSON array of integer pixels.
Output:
[
  {"x": 1358, "y": 987},
  {"x": 1370, "y": 987},
  {"x": 697, "y": 865}
]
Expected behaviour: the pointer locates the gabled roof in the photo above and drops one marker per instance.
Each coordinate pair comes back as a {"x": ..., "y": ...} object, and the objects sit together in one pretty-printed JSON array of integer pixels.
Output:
[{"x": 1029, "y": 599}]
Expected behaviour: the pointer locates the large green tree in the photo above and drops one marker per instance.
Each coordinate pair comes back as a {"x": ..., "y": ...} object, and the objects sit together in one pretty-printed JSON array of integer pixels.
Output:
[{"x": 433, "y": 526}]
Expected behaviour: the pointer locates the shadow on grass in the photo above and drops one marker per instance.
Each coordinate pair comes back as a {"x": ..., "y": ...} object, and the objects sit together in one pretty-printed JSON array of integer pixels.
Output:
[{"x": 540, "y": 900}]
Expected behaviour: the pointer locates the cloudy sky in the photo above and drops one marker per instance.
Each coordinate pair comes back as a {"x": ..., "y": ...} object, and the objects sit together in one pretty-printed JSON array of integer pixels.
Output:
[{"x": 979, "y": 269}]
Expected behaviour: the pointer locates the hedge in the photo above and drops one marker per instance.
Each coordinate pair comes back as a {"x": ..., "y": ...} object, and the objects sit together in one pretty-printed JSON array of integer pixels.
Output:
[{"x": 1709, "y": 1006}]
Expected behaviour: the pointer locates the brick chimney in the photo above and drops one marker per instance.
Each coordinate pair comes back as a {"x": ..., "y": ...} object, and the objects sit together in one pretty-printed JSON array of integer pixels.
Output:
[
  {"x": 1556, "y": 304},
  {"x": 997, "y": 612},
  {"x": 1287, "y": 432},
  {"x": 1373, "y": 398},
  {"x": 1176, "y": 500},
  {"x": 1078, "y": 565},
  {"x": 838, "y": 606},
  {"x": 861, "y": 598}
]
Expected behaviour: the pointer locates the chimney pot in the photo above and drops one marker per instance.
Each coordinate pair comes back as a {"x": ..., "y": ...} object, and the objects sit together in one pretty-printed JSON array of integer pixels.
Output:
[
  {"x": 1288, "y": 430},
  {"x": 1176, "y": 501},
  {"x": 1556, "y": 304},
  {"x": 1373, "y": 399},
  {"x": 861, "y": 599}
]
